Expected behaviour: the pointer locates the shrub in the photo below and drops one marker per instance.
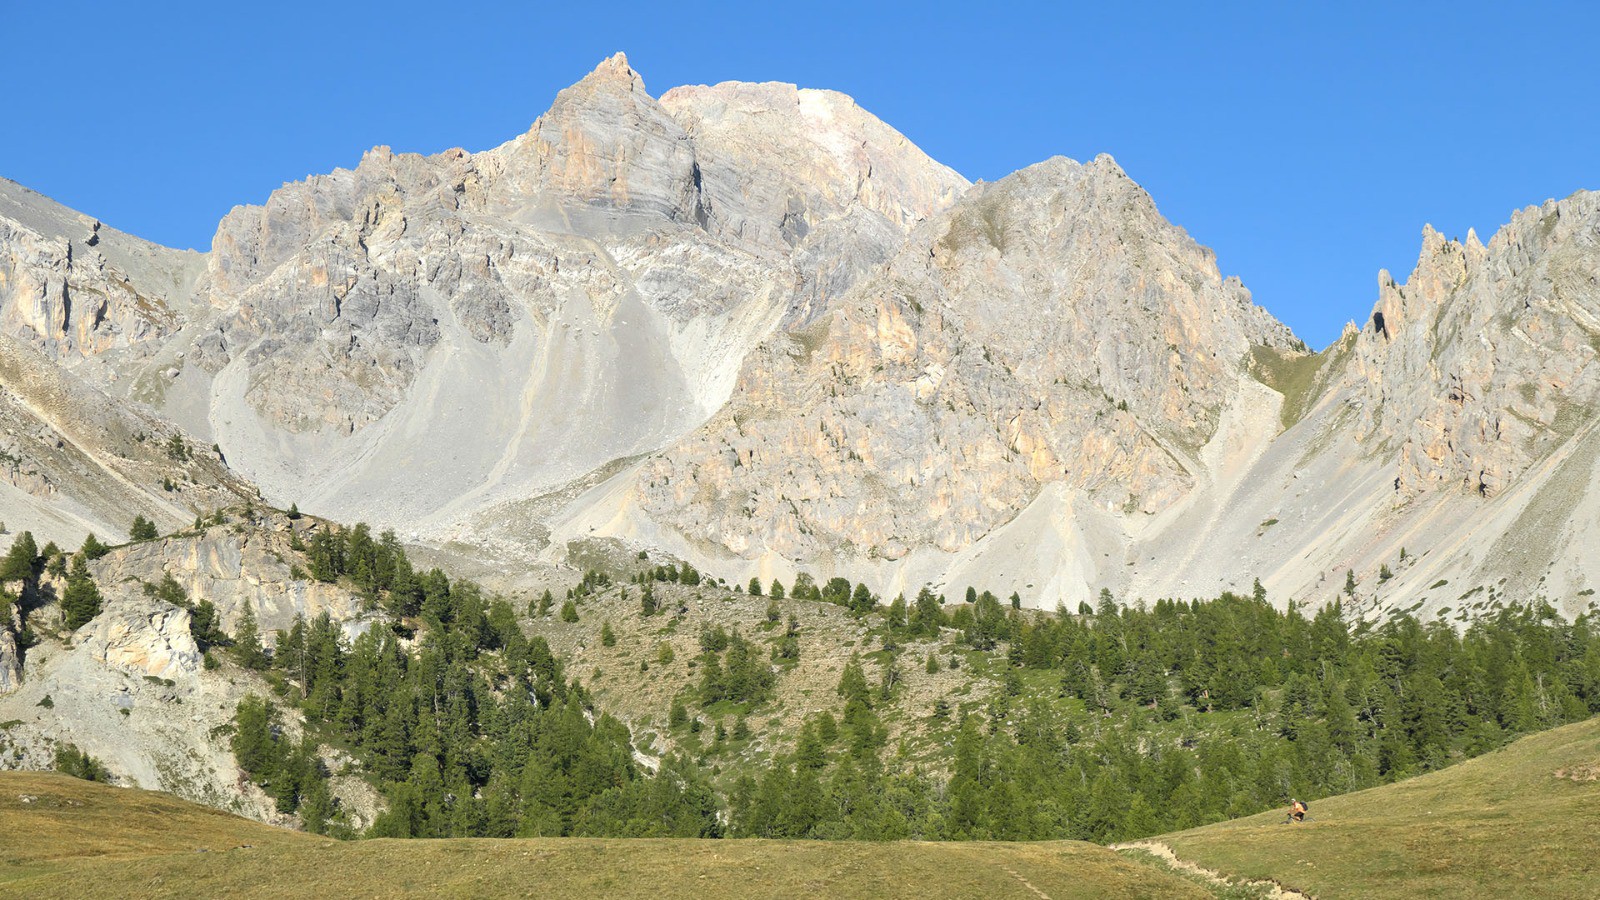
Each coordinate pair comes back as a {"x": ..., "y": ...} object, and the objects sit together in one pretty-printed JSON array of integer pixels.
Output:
[{"x": 72, "y": 761}]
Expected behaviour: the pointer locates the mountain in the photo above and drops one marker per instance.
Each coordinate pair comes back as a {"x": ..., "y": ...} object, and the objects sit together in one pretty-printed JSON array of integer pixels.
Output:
[{"x": 753, "y": 327}]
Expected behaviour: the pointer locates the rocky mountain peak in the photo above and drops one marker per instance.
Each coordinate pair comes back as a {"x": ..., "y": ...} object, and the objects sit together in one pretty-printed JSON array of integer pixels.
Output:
[{"x": 615, "y": 69}]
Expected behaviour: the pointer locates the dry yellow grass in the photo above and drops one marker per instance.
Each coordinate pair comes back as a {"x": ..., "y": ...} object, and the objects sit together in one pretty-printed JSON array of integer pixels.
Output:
[
  {"x": 76, "y": 839},
  {"x": 1521, "y": 822}
]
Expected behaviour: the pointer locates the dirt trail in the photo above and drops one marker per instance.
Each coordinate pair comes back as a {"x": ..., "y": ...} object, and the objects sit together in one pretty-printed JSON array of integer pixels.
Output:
[
  {"x": 1271, "y": 889},
  {"x": 1026, "y": 883}
]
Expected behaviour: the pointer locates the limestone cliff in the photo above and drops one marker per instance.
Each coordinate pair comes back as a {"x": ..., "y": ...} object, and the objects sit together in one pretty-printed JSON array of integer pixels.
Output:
[{"x": 1049, "y": 328}]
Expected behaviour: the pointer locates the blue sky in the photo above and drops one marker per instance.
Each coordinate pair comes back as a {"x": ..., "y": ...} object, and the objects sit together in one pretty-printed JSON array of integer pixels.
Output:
[{"x": 1306, "y": 143}]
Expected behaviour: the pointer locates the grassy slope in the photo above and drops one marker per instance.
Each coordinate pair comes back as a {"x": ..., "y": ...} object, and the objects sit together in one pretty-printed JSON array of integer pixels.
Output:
[
  {"x": 76, "y": 839},
  {"x": 1502, "y": 825}
]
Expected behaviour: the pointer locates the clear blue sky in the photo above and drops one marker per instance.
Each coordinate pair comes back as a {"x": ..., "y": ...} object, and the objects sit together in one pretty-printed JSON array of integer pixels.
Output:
[{"x": 1306, "y": 143}]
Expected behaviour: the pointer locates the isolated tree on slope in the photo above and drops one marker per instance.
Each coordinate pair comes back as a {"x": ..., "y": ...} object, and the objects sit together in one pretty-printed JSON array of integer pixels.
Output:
[
  {"x": 143, "y": 529},
  {"x": 81, "y": 599}
]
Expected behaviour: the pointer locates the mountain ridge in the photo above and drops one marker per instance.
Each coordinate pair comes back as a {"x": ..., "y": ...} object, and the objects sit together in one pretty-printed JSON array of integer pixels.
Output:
[{"x": 658, "y": 275}]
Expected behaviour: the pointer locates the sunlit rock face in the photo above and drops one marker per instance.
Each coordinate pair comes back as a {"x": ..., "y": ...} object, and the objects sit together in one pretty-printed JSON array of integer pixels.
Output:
[{"x": 1050, "y": 327}]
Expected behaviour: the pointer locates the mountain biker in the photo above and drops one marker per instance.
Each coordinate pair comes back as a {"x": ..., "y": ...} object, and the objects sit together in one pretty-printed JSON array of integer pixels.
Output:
[{"x": 1297, "y": 811}]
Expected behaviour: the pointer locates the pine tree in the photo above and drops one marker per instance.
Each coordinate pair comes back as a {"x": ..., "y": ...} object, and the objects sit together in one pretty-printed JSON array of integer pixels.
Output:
[
  {"x": 255, "y": 744},
  {"x": 204, "y": 625},
  {"x": 853, "y": 682},
  {"x": 927, "y": 615},
  {"x": 80, "y": 602},
  {"x": 93, "y": 549},
  {"x": 569, "y": 612},
  {"x": 21, "y": 559},
  {"x": 895, "y": 617},
  {"x": 608, "y": 637},
  {"x": 143, "y": 529},
  {"x": 247, "y": 640},
  {"x": 755, "y": 587},
  {"x": 861, "y": 600}
]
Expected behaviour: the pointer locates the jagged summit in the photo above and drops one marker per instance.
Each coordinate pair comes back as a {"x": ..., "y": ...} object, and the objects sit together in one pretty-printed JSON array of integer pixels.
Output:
[{"x": 615, "y": 66}]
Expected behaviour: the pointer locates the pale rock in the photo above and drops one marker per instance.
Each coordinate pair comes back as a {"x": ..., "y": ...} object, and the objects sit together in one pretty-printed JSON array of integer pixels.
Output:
[{"x": 142, "y": 638}]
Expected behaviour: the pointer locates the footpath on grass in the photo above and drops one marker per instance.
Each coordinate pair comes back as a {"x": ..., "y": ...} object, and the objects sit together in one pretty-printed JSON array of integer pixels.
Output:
[{"x": 1159, "y": 854}]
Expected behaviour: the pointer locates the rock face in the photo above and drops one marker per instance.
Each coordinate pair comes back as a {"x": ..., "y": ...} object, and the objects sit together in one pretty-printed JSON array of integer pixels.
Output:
[
  {"x": 1051, "y": 327},
  {"x": 81, "y": 291},
  {"x": 130, "y": 692},
  {"x": 131, "y": 687},
  {"x": 10, "y": 659},
  {"x": 142, "y": 638},
  {"x": 250, "y": 566},
  {"x": 1504, "y": 338},
  {"x": 754, "y": 326},
  {"x": 603, "y": 275},
  {"x": 1449, "y": 440}
]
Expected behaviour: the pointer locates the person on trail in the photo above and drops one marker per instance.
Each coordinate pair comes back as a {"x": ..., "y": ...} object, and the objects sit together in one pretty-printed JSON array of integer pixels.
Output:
[{"x": 1297, "y": 811}]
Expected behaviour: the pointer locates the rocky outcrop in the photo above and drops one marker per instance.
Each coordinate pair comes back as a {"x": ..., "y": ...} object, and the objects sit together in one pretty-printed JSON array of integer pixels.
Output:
[
  {"x": 78, "y": 290},
  {"x": 130, "y": 691},
  {"x": 132, "y": 688},
  {"x": 142, "y": 638},
  {"x": 248, "y": 564},
  {"x": 10, "y": 658}
]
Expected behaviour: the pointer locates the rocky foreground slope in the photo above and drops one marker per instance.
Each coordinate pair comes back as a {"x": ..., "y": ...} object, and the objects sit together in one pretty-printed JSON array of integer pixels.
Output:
[{"x": 755, "y": 327}]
